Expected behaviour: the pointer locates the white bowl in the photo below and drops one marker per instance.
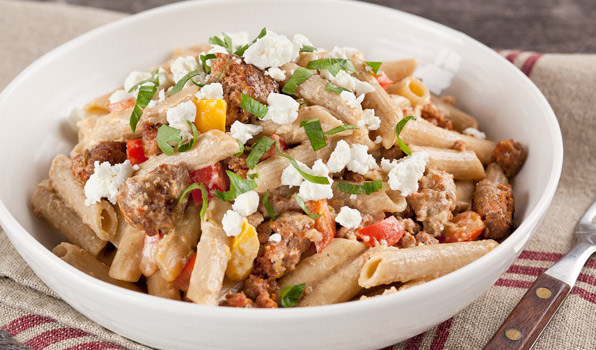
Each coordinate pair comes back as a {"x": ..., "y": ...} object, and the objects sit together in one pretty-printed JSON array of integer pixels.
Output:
[{"x": 33, "y": 110}]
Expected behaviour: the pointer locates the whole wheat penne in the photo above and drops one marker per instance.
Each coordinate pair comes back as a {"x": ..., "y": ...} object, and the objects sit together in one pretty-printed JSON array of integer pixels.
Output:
[
  {"x": 83, "y": 261},
  {"x": 414, "y": 283},
  {"x": 411, "y": 88},
  {"x": 229, "y": 287},
  {"x": 390, "y": 264},
  {"x": 495, "y": 174},
  {"x": 464, "y": 191},
  {"x": 100, "y": 217},
  {"x": 213, "y": 254},
  {"x": 173, "y": 250},
  {"x": 314, "y": 269},
  {"x": 460, "y": 119},
  {"x": 463, "y": 165},
  {"x": 47, "y": 204},
  {"x": 98, "y": 106},
  {"x": 384, "y": 200},
  {"x": 122, "y": 225},
  {"x": 126, "y": 263},
  {"x": 422, "y": 133},
  {"x": 399, "y": 69},
  {"x": 158, "y": 286}
]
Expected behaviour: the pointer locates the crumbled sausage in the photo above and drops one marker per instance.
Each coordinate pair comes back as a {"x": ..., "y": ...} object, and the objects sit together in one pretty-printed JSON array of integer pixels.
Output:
[
  {"x": 495, "y": 205},
  {"x": 241, "y": 78},
  {"x": 423, "y": 238},
  {"x": 149, "y": 137},
  {"x": 350, "y": 233},
  {"x": 510, "y": 155},
  {"x": 255, "y": 285},
  {"x": 238, "y": 166},
  {"x": 83, "y": 164},
  {"x": 434, "y": 201},
  {"x": 431, "y": 113},
  {"x": 352, "y": 176},
  {"x": 149, "y": 201},
  {"x": 237, "y": 300},
  {"x": 459, "y": 145}
]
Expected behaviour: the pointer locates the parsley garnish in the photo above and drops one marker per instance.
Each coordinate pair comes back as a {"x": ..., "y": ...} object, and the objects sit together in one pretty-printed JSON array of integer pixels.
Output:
[
  {"x": 204, "y": 59},
  {"x": 260, "y": 148},
  {"x": 366, "y": 187},
  {"x": 314, "y": 132},
  {"x": 333, "y": 65},
  {"x": 197, "y": 186},
  {"x": 167, "y": 134},
  {"x": 267, "y": 205},
  {"x": 322, "y": 180},
  {"x": 290, "y": 295},
  {"x": 303, "y": 206},
  {"x": 307, "y": 48},
  {"x": 145, "y": 95},
  {"x": 253, "y": 106},
  {"x": 241, "y": 145},
  {"x": 374, "y": 66},
  {"x": 182, "y": 82},
  {"x": 299, "y": 77},
  {"x": 254, "y": 175},
  {"x": 338, "y": 89},
  {"x": 340, "y": 129},
  {"x": 226, "y": 42},
  {"x": 240, "y": 51},
  {"x": 400, "y": 125},
  {"x": 238, "y": 186}
]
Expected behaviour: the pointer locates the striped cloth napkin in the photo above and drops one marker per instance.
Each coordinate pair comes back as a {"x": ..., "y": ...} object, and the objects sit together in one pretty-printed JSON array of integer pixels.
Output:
[{"x": 33, "y": 317}]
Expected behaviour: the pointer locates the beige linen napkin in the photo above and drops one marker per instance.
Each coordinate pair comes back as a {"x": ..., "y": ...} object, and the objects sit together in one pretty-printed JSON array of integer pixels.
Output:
[{"x": 33, "y": 316}]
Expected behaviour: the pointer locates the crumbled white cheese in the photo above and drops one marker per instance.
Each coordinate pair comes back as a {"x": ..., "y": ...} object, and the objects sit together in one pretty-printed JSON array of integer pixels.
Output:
[
  {"x": 299, "y": 40},
  {"x": 161, "y": 96},
  {"x": 275, "y": 238},
  {"x": 120, "y": 95},
  {"x": 291, "y": 177},
  {"x": 283, "y": 109},
  {"x": 341, "y": 52},
  {"x": 213, "y": 91},
  {"x": 370, "y": 119},
  {"x": 276, "y": 74},
  {"x": 353, "y": 197},
  {"x": 475, "y": 132},
  {"x": 347, "y": 81},
  {"x": 106, "y": 180},
  {"x": 179, "y": 116},
  {"x": 134, "y": 78},
  {"x": 76, "y": 115},
  {"x": 379, "y": 139},
  {"x": 348, "y": 217},
  {"x": 272, "y": 50},
  {"x": 232, "y": 223},
  {"x": 360, "y": 161},
  {"x": 182, "y": 66},
  {"x": 162, "y": 77},
  {"x": 244, "y": 132},
  {"x": 339, "y": 157},
  {"x": 246, "y": 203},
  {"x": 362, "y": 87},
  {"x": 351, "y": 99},
  {"x": 239, "y": 38},
  {"x": 405, "y": 172},
  {"x": 310, "y": 191}
]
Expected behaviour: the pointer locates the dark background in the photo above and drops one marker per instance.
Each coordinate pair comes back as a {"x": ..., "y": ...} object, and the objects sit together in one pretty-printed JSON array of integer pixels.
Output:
[{"x": 565, "y": 26}]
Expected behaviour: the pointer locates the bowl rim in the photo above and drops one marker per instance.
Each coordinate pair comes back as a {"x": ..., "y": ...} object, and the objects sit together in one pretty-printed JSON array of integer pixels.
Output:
[{"x": 20, "y": 237}]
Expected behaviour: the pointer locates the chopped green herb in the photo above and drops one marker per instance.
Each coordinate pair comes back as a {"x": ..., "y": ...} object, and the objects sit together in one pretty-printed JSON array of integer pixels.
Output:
[
  {"x": 226, "y": 42},
  {"x": 398, "y": 128},
  {"x": 197, "y": 186},
  {"x": 145, "y": 95},
  {"x": 299, "y": 76},
  {"x": 154, "y": 79},
  {"x": 374, "y": 66},
  {"x": 204, "y": 59},
  {"x": 303, "y": 206},
  {"x": 260, "y": 148},
  {"x": 240, "y": 51},
  {"x": 238, "y": 186},
  {"x": 183, "y": 147},
  {"x": 254, "y": 175},
  {"x": 241, "y": 145},
  {"x": 268, "y": 206},
  {"x": 290, "y": 295},
  {"x": 367, "y": 187},
  {"x": 182, "y": 82},
  {"x": 333, "y": 65},
  {"x": 349, "y": 188},
  {"x": 338, "y": 89},
  {"x": 340, "y": 129},
  {"x": 166, "y": 135},
  {"x": 314, "y": 132},
  {"x": 253, "y": 106},
  {"x": 322, "y": 180},
  {"x": 307, "y": 48}
]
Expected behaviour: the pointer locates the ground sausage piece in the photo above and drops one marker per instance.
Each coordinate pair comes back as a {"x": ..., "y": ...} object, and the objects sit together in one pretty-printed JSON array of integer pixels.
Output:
[
  {"x": 241, "y": 78},
  {"x": 431, "y": 113},
  {"x": 423, "y": 238},
  {"x": 237, "y": 300},
  {"x": 149, "y": 201},
  {"x": 149, "y": 138},
  {"x": 510, "y": 155},
  {"x": 352, "y": 176},
  {"x": 434, "y": 201},
  {"x": 83, "y": 164},
  {"x": 255, "y": 285},
  {"x": 238, "y": 166},
  {"x": 495, "y": 205}
]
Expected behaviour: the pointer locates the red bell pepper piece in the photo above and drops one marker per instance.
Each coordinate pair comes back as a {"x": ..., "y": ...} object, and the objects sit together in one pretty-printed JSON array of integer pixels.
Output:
[
  {"x": 384, "y": 81},
  {"x": 281, "y": 145},
  {"x": 324, "y": 224},
  {"x": 464, "y": 227},
  {"x": 122, "y": 105},
  {"x": 389, "y": 230},
  {"x": 183, "y": 280},
  {"x": 213, "y": 177},
  {"x": 135, "y": 152}
]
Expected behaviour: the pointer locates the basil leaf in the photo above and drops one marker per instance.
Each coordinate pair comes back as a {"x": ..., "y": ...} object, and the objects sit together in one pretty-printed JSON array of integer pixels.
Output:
[
  {"x": 303, "y": 206},
  {"x": 268, "y": 206},
  {"x": 290, "y": 295},
  {"x": 204, "y": 59},
  {"x": 349, "y": 188},
  {"x": 374, "y": 66},
  {"x": 369, "y": 187},
  {"x": 187, "y": 146},
  {"x": 299, "y": 76},
  {"x": 333, "y": 65},
  {"x": 314, "y": 132},
  {"x": 197, "y": 186},
  {"x": 340, "y": 129},
  {"x": 260, "y": 148},
  {"x": 165, "y": 135},
  {"x": 226, "y": 43},
  {"x": 253, "y": 106},
  {"x": 307, "y": 48},
  {"x": 254, "y": 175},
  {"x": 182, "y": 82},
  {"x": 238, "y": 186},
  {"x": 398, "y": 128},
  {"x": 322, "y": 180},
  {"x": 338, "y": 89},
  {"x": 151, "y": 79},
  {"x": 191, "y": 187},
  {"x": 241, "y": 149},
  {"x": 240, "y": 51},
  {"x": 145, "y": 95}
]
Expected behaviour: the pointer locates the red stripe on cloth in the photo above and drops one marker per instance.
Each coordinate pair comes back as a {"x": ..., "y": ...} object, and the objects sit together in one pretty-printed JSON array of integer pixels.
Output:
[
  {"x": 512, "y": 56},
  {"x": 529, "y": 63},
  {"x": 24, "y": 323},
  {"x": 96, "y": 345},
  {"x": 53, "y": 336},
  {"x": 584, "y": 294},
  {"x": 441, "y": 335},
  {"x": 544, "y": 256},
  {"x": 415, "y": 342},
  {"x": 589, "y": 296},
  {"x": 535, "y": 271}
]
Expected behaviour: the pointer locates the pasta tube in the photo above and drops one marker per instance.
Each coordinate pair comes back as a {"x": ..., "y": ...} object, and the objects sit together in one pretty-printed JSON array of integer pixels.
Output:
[
  {"x": 463, "y": 165},
  {"x": 460, "y": 119},
  {"x": 158, "y": 286},
  {"x": 398, "y": 70},
  {"x": 126, "y": 263}
]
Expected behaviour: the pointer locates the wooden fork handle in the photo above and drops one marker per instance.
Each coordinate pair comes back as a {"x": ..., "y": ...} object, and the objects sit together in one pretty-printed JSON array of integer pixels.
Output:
[{"x": 531, "y": 315}]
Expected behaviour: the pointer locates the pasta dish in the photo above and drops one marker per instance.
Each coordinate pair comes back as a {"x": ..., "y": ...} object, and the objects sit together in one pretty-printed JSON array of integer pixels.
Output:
[{"x": 266, "y": 172}]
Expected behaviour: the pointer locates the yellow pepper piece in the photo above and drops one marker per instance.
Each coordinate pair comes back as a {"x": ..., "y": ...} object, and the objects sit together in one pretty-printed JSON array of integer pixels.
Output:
[
  {"x": 211, "y": 114},
  {"x": 245, "y": 248}
]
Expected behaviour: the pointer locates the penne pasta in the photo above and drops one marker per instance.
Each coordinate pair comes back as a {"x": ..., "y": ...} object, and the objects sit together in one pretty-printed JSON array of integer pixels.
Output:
[
  {"x": 463, "y": 165},
  {"x": 158, "y": 286},
  {"x": 386, "y": 265},
  {"x": 461, "y": 120},
  {"x": 414, "y": 283},
  {"x": 495, "y": 174},
  {"x": 412, "y": 89},
  {"x": 464, "y": 191},
  {"x": 384, "y": 200},
  {"x": 126, "y": 263},
  {"x": 399, "y": 69}
]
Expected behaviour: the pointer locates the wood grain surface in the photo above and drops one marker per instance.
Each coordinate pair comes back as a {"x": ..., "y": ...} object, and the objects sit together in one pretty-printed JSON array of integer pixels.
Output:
[{"x": 563, "y": 26}]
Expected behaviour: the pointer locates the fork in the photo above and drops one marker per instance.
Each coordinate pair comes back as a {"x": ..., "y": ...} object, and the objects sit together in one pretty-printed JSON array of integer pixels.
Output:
[{"x": 536, "y": 308}]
